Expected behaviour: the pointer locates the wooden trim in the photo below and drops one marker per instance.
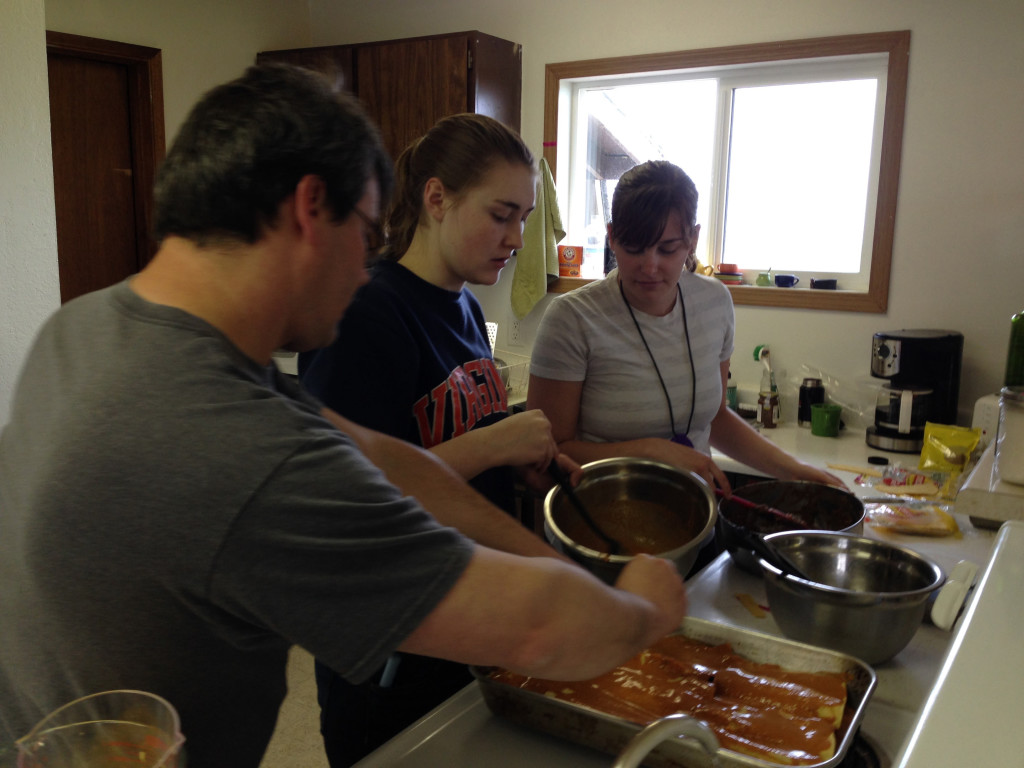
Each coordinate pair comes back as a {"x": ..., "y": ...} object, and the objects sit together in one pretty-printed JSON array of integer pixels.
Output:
[
  {"x": 752, "y": 295},
  {"x": 146, "y": 97},
  {"x": 895, "y": 44}
]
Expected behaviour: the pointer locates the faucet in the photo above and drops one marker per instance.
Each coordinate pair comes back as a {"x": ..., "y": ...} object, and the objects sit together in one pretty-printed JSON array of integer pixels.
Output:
[{"x": 662, "y": 729}]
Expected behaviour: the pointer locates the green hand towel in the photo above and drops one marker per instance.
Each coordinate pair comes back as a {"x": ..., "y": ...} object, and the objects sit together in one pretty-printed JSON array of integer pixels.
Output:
[{"x": 537, "y": 260}]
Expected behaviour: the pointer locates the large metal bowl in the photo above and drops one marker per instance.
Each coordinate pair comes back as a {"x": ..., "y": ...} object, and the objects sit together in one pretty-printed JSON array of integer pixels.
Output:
[
  {"x": 644, "y": 505},
  {"x": 818, "y": 506},
  {"x": 867, "y": 597}
]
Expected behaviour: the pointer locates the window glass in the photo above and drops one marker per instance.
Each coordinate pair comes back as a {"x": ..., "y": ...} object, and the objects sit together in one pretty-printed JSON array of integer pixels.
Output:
[
  {"x": 619, "y": 125},
  {"x": 793, "y": 155},
  {"x": 799, "y": 162}
]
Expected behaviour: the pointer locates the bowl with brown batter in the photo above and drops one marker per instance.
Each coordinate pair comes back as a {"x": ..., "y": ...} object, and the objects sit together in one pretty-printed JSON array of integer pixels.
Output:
[{"x": 644, "y": 506}]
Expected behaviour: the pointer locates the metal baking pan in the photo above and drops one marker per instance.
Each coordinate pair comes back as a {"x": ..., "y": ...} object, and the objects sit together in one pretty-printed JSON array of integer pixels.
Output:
[{"x": 609, "y": 734}]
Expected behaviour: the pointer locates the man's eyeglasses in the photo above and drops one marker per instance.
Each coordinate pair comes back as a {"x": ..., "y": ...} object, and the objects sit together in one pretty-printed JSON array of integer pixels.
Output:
[{"x": 373, "y": 232}]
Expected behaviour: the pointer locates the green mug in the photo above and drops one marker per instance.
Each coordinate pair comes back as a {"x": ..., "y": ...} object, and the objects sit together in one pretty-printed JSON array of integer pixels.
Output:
[
  {"x": 825, "y": 419},
  {"x": 764, "y": 278}
]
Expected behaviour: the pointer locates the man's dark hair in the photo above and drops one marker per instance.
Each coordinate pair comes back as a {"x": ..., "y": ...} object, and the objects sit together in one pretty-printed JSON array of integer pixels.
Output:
[{"x": 244, "y": 147}]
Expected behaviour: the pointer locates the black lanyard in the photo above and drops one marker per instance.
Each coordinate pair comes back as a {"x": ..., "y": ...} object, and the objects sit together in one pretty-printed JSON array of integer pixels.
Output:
[{"x": 689, "y": 352}]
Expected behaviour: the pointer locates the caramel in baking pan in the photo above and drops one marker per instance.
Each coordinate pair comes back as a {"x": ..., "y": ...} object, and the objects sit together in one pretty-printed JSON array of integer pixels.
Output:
[{"x": 756, "y": 709}]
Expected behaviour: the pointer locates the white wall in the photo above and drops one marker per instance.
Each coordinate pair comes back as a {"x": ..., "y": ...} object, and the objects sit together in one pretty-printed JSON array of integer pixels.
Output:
[
  {"x": 958, "y": 258},
  {"x": 203, "y": 44},
  {"x": 29, "y": 290}
]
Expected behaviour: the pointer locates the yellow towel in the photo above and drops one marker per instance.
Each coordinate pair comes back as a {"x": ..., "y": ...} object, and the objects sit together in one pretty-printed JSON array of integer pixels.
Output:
[{"x": 537, "y": 260}]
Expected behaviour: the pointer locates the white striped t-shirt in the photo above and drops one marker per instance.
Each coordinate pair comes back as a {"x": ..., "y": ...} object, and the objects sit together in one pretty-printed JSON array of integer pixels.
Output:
[{"x": 587, "y": 335}]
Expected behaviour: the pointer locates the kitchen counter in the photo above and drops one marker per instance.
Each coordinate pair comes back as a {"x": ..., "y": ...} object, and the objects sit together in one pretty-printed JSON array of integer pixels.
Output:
[
  {"x": 848, "y": 449},
  {"x": 463, "y": 732}
]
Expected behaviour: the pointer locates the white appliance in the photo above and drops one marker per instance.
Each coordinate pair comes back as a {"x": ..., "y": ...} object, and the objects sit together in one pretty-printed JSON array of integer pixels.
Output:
[
  {"x": 985, "y": 498},
  {"x": 986, "y": 418}
]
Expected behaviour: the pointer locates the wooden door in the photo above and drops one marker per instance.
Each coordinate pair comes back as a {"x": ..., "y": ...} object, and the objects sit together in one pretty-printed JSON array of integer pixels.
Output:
[
  {"x": 408, "y": 85},
  {"x": 107, "y": 137}
]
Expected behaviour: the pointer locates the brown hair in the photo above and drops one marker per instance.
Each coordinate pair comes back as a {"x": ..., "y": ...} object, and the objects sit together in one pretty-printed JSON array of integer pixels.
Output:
[
  {"x": 458, "y": 150},
  {"x": 643, "y": 199}
]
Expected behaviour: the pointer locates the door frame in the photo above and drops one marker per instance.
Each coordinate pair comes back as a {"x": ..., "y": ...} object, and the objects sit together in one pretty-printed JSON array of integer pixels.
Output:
[{"x": 146, "y": 112}]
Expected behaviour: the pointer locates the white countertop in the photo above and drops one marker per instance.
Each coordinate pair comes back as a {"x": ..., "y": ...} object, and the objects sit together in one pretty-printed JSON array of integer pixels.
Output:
[
  {"x": 849, "y": 448},
  {"x": 972, "y": 716}
]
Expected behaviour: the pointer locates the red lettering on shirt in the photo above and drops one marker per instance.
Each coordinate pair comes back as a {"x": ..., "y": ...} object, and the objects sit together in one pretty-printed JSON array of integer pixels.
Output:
[
  {"x": 484, "y": 395},
  {"x": 431, "y": 433},
  {"x": 499, "y": 394},
  {"x": 474, "y": 391}
]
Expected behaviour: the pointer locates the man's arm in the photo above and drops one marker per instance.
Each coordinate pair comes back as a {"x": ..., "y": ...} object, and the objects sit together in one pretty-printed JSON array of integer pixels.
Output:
[
  {"x": 442, "y": 491},
  {"x": 545, "y": 618}
]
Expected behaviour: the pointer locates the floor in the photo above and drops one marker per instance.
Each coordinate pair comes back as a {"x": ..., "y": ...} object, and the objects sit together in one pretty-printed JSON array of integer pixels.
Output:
[{"x": 296, "y": 742}]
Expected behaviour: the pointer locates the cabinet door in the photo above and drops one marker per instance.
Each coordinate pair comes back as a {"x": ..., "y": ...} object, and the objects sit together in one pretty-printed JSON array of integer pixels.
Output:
[
  {"x": 496, "y": 78},
  {"x": 334, "y": 61},
  {"x": 408, "y": 85}
]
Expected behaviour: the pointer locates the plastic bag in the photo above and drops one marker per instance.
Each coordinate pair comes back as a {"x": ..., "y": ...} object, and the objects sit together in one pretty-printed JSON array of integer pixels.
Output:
[
  {"x": 916, "y": 520},
  {"x": 946, "y": 447}
]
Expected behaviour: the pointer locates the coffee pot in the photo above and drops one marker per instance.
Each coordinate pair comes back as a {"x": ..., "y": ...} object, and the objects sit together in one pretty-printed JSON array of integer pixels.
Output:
[
  {"x": 900, "y": 417},
  {"x": 922, "y": 372}
]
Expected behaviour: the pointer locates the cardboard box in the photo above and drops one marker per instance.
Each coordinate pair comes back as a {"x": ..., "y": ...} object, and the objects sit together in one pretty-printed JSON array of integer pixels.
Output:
[{"x": 570, "y": 260}]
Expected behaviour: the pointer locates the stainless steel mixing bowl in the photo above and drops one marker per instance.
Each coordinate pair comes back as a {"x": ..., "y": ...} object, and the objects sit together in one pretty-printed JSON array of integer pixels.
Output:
[
  {"x": 820, "y": 507},
  {"x": 644, "y": 505},
  {"x": 867, "y": 599}
]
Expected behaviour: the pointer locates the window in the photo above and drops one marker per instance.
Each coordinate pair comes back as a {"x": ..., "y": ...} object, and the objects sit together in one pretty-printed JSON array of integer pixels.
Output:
[{"x": 794, "y": 147}]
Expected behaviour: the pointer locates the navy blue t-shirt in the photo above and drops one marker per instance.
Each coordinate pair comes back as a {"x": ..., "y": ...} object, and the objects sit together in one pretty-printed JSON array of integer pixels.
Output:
[{"x": 412, "y": 360}]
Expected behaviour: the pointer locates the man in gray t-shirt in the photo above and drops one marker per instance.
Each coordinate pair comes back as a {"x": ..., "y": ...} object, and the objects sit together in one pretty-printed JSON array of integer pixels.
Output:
[{"x": 175, "y": 514}]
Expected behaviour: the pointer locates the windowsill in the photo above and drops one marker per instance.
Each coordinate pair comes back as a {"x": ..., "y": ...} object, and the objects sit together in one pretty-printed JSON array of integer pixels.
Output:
[{"x": 788, "y": 298}]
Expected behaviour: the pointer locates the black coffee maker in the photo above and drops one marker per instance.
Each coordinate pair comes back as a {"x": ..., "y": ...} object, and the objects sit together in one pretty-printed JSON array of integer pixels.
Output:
[{"x": 922, "y": 372}]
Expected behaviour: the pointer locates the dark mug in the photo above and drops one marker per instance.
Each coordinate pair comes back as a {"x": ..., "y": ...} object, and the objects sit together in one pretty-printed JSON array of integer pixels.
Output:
[
  {"x": 786, "y": 281},
  {"x": 823, "y": 283}
]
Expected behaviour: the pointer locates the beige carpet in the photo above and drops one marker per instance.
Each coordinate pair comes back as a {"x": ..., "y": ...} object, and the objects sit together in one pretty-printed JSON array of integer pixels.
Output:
[{"x": 296, "y": 742}]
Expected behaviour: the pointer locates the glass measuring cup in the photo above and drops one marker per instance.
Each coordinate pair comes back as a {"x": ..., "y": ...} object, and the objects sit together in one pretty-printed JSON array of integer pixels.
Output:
[{"x": 104, "y": 730}]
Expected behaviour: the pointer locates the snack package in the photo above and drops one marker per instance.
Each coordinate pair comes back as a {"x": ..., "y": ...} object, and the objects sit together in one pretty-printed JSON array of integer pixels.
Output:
[
  {"x": 898, "y": 479},
  {"x": 915, "y": 520},
  {"x": 946, "y": 447}
]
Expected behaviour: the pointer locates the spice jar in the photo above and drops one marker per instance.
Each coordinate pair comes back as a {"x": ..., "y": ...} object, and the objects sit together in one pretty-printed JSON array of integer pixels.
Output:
[
  {"x": 768, "y": 410},
  {"x": 1010, "y": 443}
]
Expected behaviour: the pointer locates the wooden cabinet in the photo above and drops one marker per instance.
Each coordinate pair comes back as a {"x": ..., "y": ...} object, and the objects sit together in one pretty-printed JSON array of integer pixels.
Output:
[{"x": 408, "y": 85}]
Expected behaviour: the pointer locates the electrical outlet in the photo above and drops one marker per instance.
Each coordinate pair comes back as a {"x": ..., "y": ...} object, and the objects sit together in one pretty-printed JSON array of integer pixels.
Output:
[{"x": 515, "y": 333}]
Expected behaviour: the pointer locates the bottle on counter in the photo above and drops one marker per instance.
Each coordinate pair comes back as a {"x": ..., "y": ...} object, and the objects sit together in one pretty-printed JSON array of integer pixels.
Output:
[
  {"x": 768, "y": 401},
  {"x": 1015, "y": 355}
]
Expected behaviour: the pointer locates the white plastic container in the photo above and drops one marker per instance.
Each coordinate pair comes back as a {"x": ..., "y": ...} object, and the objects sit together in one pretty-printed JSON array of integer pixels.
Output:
[{"x": 1010, "y": 443}]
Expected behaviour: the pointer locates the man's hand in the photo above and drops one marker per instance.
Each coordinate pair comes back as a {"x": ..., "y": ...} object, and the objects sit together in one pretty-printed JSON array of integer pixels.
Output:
[{"x": 656, "y": 580}]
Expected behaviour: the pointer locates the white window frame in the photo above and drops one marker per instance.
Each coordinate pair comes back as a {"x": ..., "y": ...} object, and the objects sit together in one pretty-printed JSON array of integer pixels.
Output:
[{"x": 881, "y": 55}]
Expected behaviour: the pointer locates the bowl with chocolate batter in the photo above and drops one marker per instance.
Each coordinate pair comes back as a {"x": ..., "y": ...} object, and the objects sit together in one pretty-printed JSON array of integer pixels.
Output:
[{"x": 644, "y": 506}]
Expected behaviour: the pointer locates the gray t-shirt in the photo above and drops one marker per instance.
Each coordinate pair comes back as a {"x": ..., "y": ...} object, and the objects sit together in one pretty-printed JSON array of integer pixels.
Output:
[
  {"x": 588, "y": 335},
  {"x": 174, "y": 516}
]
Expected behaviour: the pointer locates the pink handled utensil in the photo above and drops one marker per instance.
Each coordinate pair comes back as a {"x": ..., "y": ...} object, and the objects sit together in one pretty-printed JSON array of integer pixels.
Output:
[{"x": 763, "y": 508}]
